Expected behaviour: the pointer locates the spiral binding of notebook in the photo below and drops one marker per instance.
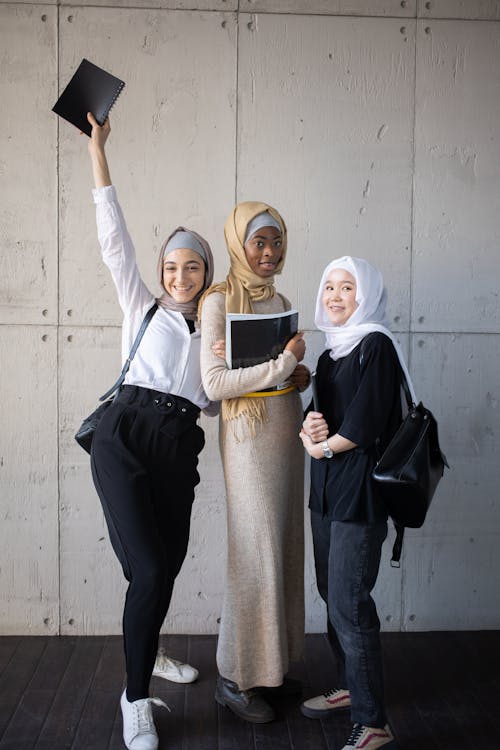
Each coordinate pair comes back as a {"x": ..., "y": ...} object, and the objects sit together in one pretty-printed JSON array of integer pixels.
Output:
[
  {"x": 101, "y": 119},
  {"x": 91, "y": 89}
]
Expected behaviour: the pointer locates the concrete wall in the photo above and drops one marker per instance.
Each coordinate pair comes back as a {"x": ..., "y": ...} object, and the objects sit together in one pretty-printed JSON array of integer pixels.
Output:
[{"x": 374, "y": 126}]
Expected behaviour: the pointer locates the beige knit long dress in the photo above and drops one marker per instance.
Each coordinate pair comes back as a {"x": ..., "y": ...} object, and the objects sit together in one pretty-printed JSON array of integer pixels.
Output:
[{"x": 262, "y": 624}]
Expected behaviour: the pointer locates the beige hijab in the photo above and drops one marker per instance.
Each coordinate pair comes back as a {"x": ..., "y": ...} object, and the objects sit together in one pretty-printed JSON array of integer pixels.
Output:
[{"x": 242, "y": 287}]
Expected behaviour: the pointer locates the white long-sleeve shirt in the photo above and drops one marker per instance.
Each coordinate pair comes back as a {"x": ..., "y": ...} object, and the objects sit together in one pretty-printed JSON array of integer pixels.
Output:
[{"x": 168, "y": 357}]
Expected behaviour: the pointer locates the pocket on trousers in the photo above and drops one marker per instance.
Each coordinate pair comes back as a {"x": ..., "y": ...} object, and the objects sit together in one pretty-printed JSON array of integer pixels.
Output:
[
  {"x": 176, "y": 425},
  {"x": 199, "y": 437}
]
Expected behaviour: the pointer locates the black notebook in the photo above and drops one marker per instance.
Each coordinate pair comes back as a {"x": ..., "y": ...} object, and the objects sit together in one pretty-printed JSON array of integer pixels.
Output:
[
  {"x": 91, "y": 89},
  {"x": 252, "y": 339}
]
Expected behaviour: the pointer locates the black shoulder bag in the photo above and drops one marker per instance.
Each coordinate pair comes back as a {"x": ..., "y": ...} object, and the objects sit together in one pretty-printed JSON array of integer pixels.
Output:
[
  {"x": 85, "y": 433},
  {"x": 409, "y": 469}
]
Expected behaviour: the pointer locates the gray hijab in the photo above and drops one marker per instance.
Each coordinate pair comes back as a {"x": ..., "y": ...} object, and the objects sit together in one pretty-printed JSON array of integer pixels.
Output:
[{"x": 185, "y": 238}]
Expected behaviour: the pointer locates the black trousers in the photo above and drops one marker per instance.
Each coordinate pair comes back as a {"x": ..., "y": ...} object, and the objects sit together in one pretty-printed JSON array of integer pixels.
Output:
[{"x": 144, "y": 465}]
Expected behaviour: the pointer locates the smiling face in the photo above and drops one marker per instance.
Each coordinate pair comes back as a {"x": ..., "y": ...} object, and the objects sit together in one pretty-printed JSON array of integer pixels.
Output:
[
  {"x": 183, "y": 274},
  {"x": 339, "y": 296},
  {"x": 263, "y": 251}
]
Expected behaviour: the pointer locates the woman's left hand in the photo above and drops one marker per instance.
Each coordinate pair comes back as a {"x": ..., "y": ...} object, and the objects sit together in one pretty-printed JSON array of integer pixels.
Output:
[
  {"x": 316, "y": 426},
  {"x": 300, "y": 377},
  {"x": 314, "y": 449}
]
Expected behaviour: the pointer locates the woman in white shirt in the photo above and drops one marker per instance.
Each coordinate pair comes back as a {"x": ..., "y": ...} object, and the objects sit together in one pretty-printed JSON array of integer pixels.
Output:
[{"x": 144, "y": 452}]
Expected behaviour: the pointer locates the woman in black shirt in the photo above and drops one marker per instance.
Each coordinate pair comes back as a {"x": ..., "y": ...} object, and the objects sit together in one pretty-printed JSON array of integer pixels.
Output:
[{"x": 359, "y": 410}]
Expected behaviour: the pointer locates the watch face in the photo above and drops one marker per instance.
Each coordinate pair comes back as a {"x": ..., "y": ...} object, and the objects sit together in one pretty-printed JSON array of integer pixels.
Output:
[{"x": 327, "y": 452}]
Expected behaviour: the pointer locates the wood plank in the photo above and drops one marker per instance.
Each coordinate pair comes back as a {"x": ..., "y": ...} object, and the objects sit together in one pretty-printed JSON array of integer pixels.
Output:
[
  {"x": 322, "y": 676},
  {"x": 421, "y": 662},
  {"x": 110, "y": 672},
  {"x": 442, "y": 693},
  {"x": 306, "y": 734},
  {"x": 95, "y": 727},
  {"x": 234, "y": 733},
  {"x": 401, "y": 686},
  {"x": 100, "y": 709},
  {"x": 8, "y": 645},
  {"x": 454, "y": 683},
  {"x": 116, "y": 739},
  {"x": 31, "y": 712},
  {"x": 478, "y": 655},
  {"x": 273, "y": 736},
  {"x": 17, "y": 674},
  {"x": 61, "y": 725},
  {"x": 27, "y": 720},
  {"x": 201, "y": 725}
]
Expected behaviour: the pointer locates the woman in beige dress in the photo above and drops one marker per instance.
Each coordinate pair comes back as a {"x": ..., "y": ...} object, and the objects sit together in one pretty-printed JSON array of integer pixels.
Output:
[{"x": 262, "y": 623}]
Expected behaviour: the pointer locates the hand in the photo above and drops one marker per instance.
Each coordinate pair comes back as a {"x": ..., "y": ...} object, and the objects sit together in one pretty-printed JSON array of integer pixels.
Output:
[
  {"x": 219, "y": 348},
  {"x": 300, "y": 377},
  {"x": 314, "y": 449},
  {"x": 99, "y": 134},
  {"x": 297, "y": 346},
  {"x": 315, "y": 427},
  {"x": 98, "y": 138}
]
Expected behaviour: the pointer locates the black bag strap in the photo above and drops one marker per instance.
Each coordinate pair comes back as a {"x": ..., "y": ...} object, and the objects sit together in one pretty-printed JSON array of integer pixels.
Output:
[
  {"x": 406, "y": 389},
  {"x": 397, "y": 546},
  {"x": 402, "y": 377},
  {"x": 135, "y": 346}
]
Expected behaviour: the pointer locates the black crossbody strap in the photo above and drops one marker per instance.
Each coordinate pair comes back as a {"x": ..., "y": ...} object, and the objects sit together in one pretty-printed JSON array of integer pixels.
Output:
[
  {"x": 404, "y": 385},
  {"x": 133, "y": 350}
]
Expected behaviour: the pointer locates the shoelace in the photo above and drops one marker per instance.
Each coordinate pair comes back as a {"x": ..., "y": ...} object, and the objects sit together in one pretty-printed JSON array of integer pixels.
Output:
[
  {"x": 143, "y": 718},
  {"x": 357, "y": 731},
  {"x": 163, "y": 661},
  {"x": 332, "y": 692}
]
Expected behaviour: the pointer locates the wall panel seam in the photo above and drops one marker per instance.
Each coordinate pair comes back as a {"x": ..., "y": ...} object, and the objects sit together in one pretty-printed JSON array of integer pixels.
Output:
[
  {"x": 58, "y": 312},
  {"x": 237, "y": 105}
]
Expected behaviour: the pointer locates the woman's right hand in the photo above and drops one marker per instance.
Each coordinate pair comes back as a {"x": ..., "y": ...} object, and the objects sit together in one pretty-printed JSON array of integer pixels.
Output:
[
  {"x": 99, "y": 134},
  {"x": 98, "y": 138},
  {"x": 297, "y": 346}
]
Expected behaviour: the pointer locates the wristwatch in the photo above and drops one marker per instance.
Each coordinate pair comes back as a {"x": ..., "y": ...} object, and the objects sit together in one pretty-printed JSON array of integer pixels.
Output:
[{"x": 327, "y": 451}]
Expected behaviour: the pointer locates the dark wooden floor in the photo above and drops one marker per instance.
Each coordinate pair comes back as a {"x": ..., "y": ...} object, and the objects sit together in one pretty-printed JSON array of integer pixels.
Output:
[{"x": 443, "y": 693}]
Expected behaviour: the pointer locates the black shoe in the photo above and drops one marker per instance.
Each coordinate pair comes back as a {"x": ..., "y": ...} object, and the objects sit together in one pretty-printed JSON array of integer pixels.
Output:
[
  {"x": 289, "y": 686},
  {"x": 247, "y": 704}
]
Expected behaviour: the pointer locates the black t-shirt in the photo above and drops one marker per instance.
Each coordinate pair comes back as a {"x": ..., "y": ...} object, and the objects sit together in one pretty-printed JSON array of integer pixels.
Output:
[{"x": 359, "y": 396}]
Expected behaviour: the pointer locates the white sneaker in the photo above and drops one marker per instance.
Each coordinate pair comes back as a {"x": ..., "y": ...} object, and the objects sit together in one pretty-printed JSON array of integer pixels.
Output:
[
  {"x": 173, "y": 670},
  {"x": 139, "y": 731}
]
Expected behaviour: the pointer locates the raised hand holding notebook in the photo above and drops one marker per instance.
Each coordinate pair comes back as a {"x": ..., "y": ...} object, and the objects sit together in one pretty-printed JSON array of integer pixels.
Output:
[
  {"x": 252, "y": 339},
  {"x": 91, "y": 89}
]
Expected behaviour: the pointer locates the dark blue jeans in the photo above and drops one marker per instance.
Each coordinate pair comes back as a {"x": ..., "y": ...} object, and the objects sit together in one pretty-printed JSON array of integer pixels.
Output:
[{"x": 347, "y": 559}]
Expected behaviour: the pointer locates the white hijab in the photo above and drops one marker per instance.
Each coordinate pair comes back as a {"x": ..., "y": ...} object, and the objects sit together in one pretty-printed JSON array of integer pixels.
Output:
[{"x": 369, "y": 316}]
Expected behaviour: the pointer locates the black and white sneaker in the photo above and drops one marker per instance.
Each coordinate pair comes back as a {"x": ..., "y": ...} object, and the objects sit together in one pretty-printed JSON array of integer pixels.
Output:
[{"x": 370, "y": 738}]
